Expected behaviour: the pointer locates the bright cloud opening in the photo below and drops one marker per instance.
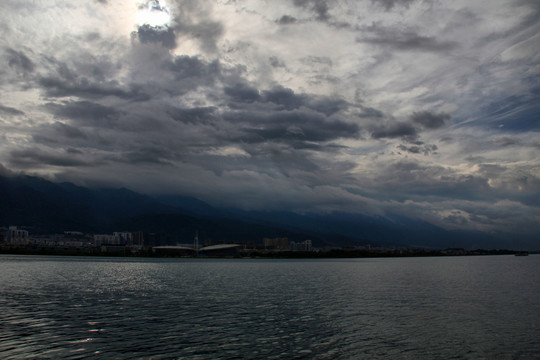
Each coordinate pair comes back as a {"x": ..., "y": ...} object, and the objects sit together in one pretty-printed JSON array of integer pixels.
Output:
[{"x": 154, "y": 13}]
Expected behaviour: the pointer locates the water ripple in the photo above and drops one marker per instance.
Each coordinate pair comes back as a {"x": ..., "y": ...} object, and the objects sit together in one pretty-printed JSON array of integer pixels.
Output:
[{"x": 385, "y": 308}]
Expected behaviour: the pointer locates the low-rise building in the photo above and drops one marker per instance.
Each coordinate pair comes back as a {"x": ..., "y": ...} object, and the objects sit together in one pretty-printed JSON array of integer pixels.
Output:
[{"x": 17, "y": 237}]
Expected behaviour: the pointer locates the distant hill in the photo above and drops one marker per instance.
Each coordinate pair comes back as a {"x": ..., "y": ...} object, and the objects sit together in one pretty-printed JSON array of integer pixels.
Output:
[{"x": 50, "y": 207}]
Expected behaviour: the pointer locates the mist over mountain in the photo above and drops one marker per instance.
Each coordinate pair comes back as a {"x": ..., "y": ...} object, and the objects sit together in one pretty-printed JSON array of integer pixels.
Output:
[{"x": 48, "y": 207}]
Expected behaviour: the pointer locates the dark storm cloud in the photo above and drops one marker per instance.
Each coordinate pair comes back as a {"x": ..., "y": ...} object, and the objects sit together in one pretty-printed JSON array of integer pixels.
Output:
[
  {"x": 286, "y": 20},
  {"x": 290, "y": 127},
  {"x": 389, "y": 4},
  {"x": 69, "y": 131},
  {"x": 434, "y": 181},
  {"x": 86, "y": 88},
  {"x": 161, "y": 35},
  {"x": 430, "y": 120},
  {"x": 10, "y": 111},
  {"x": 85, "y": 112},
  {"x": 328, "y": 106},
  {"x": 19, "y": 61},
  {"x": 320, "y": 7},
  {"x": 58, "y": 133},
  {"x": 191, "y": 67},
  {"x": 147, "y": 155},
  {"x": 242, "y": 93},
  {"x": 61, "y": 133},
  {"x": 86, "y": 77},
  {"x": 399, "y": 39},
  {"x": 395, "y": 130},
  {"x": 200, "y": 115},
  {"x": 35, "y": 157},
  {"x": 284, "y": 97},
  {"x": 410, "y": 131},
  {"x": 369, "y": 112}
]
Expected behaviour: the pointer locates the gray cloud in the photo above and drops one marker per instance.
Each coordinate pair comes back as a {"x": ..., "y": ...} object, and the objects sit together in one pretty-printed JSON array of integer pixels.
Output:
[
  {"x": 290, "y": 127},
  {"x": 86, "y": 112},
  {"x": 18, "y": 60},
  {"x": 10, "y": 111},
  {"x": 161, "y": 35},
  {"x": 194, "y": 22},
  {"x": 202, "y": 115},
  {"x": 395, "y": 130},
  {"x": 284, "y": 97},
  {"x": 191, "y": 72},
  {"x": 242, "y": 93},
  {"x": 316, "y": 60},
  {"x": 389, "y": 4},
  {"x": 399, "y": 39},
  {"x": 35, "y": 157},
  {"x": 147, "y": 155},
  {"x": 85, "y": 88},
  {"x": 275, "y": 62},
  {"x": 68, "y": 131},
  {"x": 426, "y": 149},
  {"x": 320, "y": 7},
  {"x": 286, "y": 20},
  {"x": 430, "y": 120},
  {"x": 282, "y": 115}
]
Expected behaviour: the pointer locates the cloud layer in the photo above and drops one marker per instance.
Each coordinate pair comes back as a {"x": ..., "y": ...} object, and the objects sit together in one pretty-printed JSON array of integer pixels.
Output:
[{"x": 413, "y": 107}]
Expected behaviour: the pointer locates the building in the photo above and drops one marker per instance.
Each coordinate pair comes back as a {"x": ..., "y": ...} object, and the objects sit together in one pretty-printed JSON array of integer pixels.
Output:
[
  {"x": 124, "y": 237},
  {"x": 280, "y": 243},
  {"x": 137, "y": 238},
  {"x": 302, "y": 246},
  {"x": 14, "y": 236},
  {"x": 105, "y": 239}
]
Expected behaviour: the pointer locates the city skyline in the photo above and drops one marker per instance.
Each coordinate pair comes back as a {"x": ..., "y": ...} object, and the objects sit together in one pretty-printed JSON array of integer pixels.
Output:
[{"x": 419, "y": 108}]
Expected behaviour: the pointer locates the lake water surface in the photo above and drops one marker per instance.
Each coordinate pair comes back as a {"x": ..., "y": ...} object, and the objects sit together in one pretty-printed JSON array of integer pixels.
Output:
[{"x": 397, "y": 308}]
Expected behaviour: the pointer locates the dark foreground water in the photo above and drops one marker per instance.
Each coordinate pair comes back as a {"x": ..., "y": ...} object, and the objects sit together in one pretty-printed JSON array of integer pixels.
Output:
[{"x": 404, "y": 308}]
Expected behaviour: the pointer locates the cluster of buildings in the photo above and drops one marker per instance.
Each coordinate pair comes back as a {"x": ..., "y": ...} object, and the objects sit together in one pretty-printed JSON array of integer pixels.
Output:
[
  {"x": 75, "y": 241},
  {"x": 125, "y": 242},
  {"x": 283, "y": 244}
]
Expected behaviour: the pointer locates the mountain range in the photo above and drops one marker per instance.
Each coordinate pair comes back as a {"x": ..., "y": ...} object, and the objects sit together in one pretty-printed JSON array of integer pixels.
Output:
[{"x": 47, "y": 207}]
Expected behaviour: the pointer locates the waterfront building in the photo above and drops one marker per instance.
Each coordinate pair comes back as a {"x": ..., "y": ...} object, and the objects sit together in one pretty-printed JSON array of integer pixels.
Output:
[
  {"x": 305, "y": 245},
  {"x": 279, "y": 243},
  {"x": 16, "y": 236},
  {"x": 137, "y": 238},
  {"x": 123, "y": 237},
  {"x": 105, "y": 239}
]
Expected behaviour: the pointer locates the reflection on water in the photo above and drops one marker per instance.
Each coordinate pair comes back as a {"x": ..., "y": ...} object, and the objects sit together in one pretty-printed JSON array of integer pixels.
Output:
[{"x": 452, "y": 307}]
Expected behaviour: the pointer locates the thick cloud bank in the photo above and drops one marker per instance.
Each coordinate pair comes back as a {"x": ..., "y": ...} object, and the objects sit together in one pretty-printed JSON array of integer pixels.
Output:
[{"x": 423, "y": 108}]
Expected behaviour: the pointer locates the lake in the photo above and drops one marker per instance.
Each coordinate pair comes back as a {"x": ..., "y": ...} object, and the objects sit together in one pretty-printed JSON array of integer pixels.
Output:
[{"x": 396, "y": 308}]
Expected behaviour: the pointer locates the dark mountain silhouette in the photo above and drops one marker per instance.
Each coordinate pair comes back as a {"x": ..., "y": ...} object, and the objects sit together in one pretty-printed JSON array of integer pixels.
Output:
[{"x": 49, "y": 207}]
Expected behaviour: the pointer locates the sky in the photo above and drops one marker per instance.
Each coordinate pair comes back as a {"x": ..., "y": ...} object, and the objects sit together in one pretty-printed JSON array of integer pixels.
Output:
[{"x": 428, "y": 109}]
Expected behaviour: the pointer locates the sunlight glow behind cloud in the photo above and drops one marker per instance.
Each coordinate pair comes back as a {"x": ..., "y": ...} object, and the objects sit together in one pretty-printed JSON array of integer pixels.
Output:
[{"x": 153, "y": 13}]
